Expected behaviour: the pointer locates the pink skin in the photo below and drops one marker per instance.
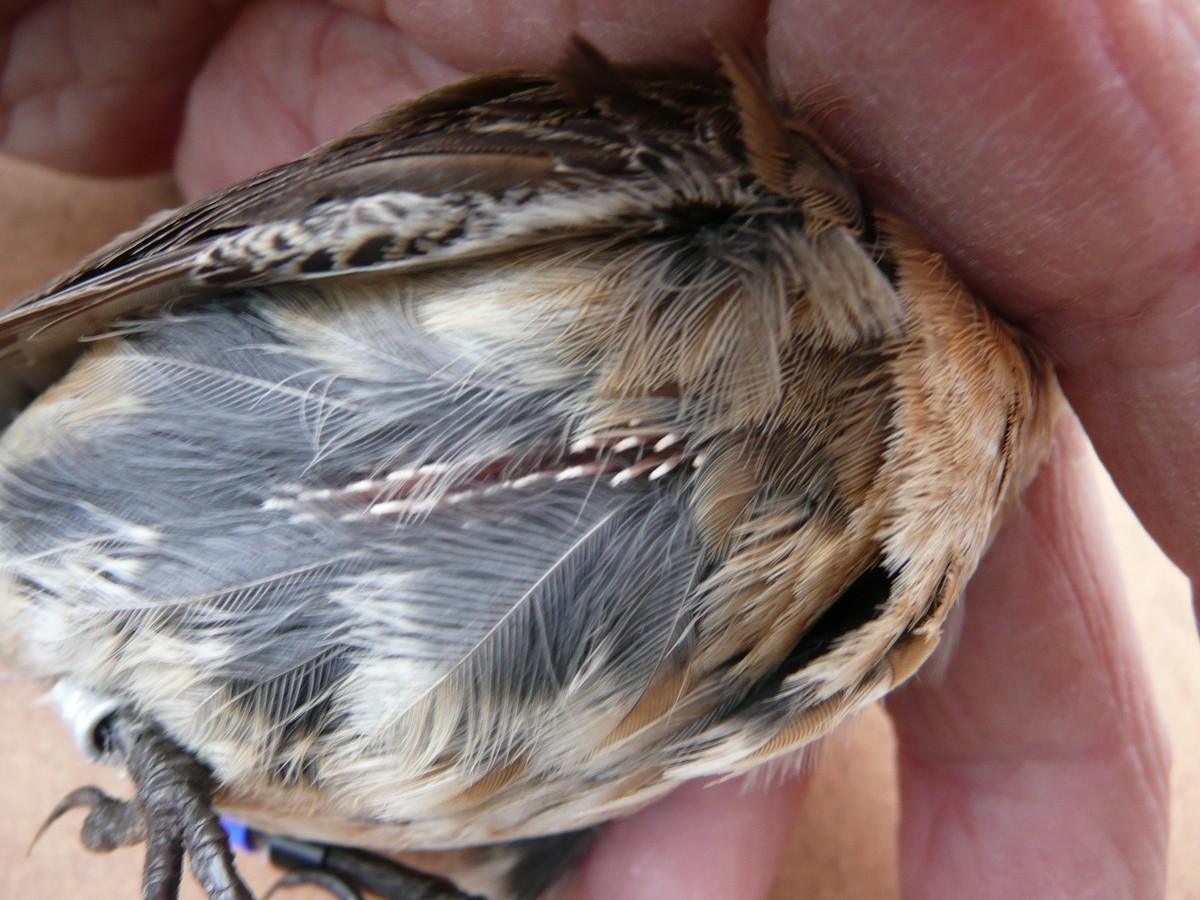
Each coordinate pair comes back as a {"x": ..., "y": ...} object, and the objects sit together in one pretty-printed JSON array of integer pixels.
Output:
[{"x": 1051, "y": 149}]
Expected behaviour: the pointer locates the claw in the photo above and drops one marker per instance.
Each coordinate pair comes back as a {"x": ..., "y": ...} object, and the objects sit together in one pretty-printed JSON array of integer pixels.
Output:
[
  {"x": 110, "y": 823},
  {"x": 335, "y": 885}
]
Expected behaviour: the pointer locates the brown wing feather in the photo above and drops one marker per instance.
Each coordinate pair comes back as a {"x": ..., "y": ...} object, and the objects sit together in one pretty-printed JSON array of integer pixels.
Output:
[
  {"x": 496, "y": 164},
  {"x": 500, "y": 164}
]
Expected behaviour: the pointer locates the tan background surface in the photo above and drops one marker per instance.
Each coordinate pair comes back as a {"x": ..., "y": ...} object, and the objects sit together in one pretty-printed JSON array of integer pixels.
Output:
[{"x": 844, "y": 840}]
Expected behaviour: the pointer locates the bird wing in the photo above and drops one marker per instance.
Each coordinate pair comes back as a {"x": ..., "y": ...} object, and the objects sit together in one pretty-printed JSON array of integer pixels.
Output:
[{"x": 491, "y": 166}]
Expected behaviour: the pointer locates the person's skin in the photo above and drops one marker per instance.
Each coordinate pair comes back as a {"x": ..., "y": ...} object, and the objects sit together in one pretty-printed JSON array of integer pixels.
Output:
[{"x": 1051, "y": 149}]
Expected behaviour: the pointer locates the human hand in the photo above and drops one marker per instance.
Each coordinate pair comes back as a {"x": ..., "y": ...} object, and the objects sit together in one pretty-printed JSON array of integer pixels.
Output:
[{"x": 1046, "y": 151}]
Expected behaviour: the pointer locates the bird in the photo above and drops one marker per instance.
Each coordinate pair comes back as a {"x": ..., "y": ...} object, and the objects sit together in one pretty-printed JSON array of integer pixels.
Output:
[{"x": 493, "y": 469}]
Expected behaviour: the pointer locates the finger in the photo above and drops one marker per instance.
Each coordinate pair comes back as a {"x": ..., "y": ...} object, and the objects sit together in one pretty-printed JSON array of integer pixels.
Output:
[
  {"x": 104, "y": 87},
  {"x": 722, "y": 841},
  {"x": 1053, "y": 150},
  {"x": 290, "y": 74},
  {"x": 98, "y": 86},
  {"x": 286, "y": 76},
  {"x": 1038, "y": 767}
]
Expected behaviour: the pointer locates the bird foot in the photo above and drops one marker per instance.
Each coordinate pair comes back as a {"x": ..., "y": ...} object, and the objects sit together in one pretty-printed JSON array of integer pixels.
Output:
[
  {"x": 344, "y": 871},
  {"x": 172, "y": 812}
]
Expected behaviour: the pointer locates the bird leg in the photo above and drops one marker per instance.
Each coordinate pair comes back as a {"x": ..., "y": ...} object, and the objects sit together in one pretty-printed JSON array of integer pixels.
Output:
[
  {"x": 342, "y": 871},
  {"x": 172, "y": 811}
]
